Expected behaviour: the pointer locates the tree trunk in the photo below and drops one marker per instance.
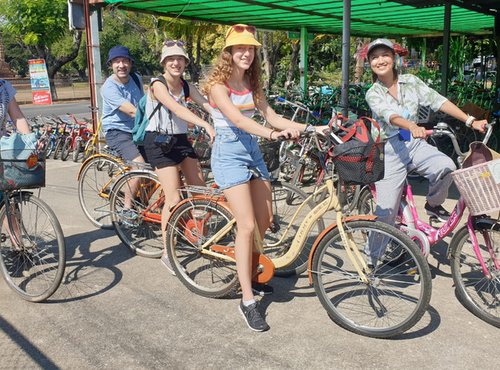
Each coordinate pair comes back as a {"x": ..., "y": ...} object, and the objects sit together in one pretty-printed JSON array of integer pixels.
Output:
[
  {"x": 265, "y": 59},
  {"x": 54, "y": 65},
  {"x": 360, "y": 63},
  {"x": 293, "y": 63}
]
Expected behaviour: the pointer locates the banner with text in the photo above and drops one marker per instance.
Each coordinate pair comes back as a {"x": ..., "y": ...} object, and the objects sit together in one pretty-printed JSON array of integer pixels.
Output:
[{"x": 40, "y": 87}]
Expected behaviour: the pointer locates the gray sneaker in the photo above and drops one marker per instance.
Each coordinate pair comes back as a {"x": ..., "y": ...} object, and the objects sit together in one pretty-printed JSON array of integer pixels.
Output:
[
  {"x": 253, "y": 318},
  {"x": 128, "y": 216}
]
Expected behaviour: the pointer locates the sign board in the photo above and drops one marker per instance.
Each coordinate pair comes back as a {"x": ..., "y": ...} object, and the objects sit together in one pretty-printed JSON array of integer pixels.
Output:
[
  {"x": 40, "y": 86},
  {"x": 296, "y": 35}
]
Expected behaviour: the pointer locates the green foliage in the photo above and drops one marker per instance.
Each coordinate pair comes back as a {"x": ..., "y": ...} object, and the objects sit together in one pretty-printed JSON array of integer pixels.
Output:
[{"x": 36, "y": 22}]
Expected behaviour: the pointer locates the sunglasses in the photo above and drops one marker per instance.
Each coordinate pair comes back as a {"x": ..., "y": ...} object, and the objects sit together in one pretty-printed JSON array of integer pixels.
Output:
[
  {"x": 240, "y": 29},
  {"x": 170, "y": 43}
]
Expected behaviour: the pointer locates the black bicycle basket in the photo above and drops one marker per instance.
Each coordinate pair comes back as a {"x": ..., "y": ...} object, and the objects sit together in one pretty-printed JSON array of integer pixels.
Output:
[
  {"x": 359, "y": 163},
  {"x": 270, "y": 152}
]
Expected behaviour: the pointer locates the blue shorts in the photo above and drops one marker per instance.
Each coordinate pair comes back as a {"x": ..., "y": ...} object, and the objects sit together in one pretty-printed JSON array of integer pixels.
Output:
[
  {"x": 122, "y": 142},
  {"x": 234, "y": 153}
]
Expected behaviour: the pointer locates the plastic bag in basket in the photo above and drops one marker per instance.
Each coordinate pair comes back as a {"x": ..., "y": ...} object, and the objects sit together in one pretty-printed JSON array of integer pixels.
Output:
[{"x": 16, "y": 171}]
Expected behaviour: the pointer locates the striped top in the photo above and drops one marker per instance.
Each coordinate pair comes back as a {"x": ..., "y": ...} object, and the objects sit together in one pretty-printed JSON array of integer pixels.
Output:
[{"x": 243, "y": 100}]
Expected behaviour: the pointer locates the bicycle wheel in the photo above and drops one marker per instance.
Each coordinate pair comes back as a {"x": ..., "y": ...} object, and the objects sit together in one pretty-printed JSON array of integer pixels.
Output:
[
  {"x": 479, "y": 293},
  {"x": 66, "y": 149},
  {"x": 94, "y": 189},
  {"x": 366, "y": 203},
  {"x": 395, "y": 296},
  {"x": 77, "y": 151},
  {"x": 286, "y": 200},
  {"x": 50, "y": 147},
  {"x": 138, "y": 225},
  {"x": 32, "y": 255},
  {"x": 58, "y": 146},
  {"x": 191, "y": 225}
]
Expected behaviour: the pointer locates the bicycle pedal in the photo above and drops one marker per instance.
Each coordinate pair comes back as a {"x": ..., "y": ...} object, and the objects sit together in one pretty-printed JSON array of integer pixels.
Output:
[
  {"x": 434, "y": 219},
  {"x": 274, "y": 227}
]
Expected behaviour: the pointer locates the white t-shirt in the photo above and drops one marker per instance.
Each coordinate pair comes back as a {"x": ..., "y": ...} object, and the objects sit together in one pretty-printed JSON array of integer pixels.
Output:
[{"x": 161, "y": 119}]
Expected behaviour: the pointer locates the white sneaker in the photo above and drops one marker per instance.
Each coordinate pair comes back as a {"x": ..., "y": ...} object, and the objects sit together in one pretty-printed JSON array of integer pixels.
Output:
[{"x": 166, "y": 262}]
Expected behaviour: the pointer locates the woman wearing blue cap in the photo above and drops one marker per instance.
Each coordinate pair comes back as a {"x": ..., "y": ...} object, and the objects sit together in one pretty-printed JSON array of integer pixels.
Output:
[
  {"x": 394, "y": 100},
  {"x": 121, "y": 93}
]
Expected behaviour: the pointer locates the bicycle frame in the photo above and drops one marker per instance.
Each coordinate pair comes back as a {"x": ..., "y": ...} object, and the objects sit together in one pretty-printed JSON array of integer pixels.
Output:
[{"x": 210, "y": 247}]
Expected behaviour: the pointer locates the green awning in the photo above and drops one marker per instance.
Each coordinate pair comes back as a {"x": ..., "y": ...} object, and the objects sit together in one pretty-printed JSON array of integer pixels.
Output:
[{"x": 368, "y": 17}]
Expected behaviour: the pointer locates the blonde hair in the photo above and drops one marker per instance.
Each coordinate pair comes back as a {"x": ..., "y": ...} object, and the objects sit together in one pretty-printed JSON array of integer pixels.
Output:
[{"x": 222, "y": 70}]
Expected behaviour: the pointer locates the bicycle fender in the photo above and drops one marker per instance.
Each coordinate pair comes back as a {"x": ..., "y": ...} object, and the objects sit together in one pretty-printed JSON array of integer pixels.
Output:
[
  {"x": 479, "y": 223},
  {"x": 326, "y": 231},
  {"x": 88, "y": 160},
  {"x": 219, "y": 200}
]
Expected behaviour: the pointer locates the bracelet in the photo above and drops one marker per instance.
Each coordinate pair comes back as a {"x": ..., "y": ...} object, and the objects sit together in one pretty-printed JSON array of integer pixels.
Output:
[
  {"x": 469, "y": 121},
  {"x": 271, "y": 134}
]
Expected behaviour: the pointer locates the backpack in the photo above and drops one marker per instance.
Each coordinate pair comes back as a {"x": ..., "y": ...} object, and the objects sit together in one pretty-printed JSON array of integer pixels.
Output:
[
  {"x": 141, "y": 121},
  {"x": 360, "y": 158}
]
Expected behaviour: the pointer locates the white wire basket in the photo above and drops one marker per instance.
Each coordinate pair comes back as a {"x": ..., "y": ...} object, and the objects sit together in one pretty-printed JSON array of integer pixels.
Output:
[{"x": 479, "y": 185}]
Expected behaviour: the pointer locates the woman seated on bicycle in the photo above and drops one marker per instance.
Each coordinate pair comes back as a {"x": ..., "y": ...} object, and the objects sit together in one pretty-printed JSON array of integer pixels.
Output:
[
  {"x": 165, "y": 143},
  {"x": 9, "y": 105},
  {"x": 394, "y": 100},
  {"x": 234, "y": 90}
]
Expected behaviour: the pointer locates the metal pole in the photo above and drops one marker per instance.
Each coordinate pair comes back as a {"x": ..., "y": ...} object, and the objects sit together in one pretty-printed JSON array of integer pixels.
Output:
[
  {"x": 346, "y": 36},
  {"x": 303, "y": 59},
  {"x": 90, "y": 64},
  {"x": 497, "y": 43},
  {"x": 446, "y": 49},
  {"x": 96, "y": 57}
]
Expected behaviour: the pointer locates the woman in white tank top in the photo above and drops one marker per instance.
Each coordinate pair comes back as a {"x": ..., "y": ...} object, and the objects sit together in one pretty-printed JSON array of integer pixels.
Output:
[{"x": 234, "y": 91}]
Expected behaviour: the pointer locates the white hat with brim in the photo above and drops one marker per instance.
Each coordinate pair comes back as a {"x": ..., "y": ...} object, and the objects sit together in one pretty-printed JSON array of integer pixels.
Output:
[
  {"x": 169, "y": 51},
  {"x": 379, "y": 42}
]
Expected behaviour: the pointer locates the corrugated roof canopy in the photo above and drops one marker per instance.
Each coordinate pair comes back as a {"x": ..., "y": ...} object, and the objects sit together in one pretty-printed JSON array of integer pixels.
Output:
[{"x": 368, "y": 17}]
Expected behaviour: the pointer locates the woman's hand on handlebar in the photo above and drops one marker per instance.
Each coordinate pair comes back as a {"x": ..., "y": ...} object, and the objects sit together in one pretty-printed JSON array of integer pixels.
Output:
[
  {"x": 418, "y": 131},
  {"x": 480, "y": 125},
  {"x": 289, "y": 133}
]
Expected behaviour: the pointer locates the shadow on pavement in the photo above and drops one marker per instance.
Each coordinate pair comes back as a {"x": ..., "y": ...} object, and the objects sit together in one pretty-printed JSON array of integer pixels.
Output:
[
  {"x": 89, "y": 273},
  {"x": 26, "y": 346}
]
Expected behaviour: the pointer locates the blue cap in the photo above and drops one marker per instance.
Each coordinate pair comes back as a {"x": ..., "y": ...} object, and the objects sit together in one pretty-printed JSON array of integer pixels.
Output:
[{"x": 119, "y": 51}]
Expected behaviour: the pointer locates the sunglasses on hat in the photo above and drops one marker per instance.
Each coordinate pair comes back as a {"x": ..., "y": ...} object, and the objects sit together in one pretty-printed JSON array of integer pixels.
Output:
[
  {"x": 239, "y": 29},
  {"x": 170, "y": 43}
]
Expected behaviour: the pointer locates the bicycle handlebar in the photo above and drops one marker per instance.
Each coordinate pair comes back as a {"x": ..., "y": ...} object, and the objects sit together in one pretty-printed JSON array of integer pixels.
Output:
[{"x": 442, "y": 129}]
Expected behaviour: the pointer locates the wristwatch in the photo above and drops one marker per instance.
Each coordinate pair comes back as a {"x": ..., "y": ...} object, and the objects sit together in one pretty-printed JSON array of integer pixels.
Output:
[{"x": 469, "y": 121}]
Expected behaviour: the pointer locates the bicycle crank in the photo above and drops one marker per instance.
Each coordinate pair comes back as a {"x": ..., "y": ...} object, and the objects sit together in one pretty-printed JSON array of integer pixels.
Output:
[{"x": 262, "y": 266}]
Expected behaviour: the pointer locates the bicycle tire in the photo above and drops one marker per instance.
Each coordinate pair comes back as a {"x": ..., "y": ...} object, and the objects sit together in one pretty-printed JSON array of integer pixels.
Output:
[
  {"x": 139, "y": 233},
  {"x": 94, "y": 189},
  {"x": 35, "y": 268},
  {"x": 479, "y": 294},
  {"x": 50, "y": 148},
  {"x": 286, "y": 199},
  {"x": 66, "y": 149},
  {"x": 77, "y": 151},
  {"x": 202, "y": 274},
  {"x": 58, "y": 147},
  {"x": 345, "y": 296}
]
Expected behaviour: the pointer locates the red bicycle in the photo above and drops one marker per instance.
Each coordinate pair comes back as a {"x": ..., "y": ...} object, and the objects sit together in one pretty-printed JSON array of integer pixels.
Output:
[{"x": 79, "y": 135}]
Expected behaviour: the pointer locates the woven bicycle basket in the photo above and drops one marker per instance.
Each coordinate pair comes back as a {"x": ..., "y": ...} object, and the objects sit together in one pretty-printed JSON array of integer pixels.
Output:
[
  {"x": 479, "y": 185},
  {"x": 22, "y": 173},
  {"x": 271, "y": 154}
]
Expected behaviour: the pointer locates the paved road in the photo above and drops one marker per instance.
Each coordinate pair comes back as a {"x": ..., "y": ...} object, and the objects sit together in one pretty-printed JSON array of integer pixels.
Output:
[
  {"x": 119, "y": 311},
  {"x": 80, "y": 108}
]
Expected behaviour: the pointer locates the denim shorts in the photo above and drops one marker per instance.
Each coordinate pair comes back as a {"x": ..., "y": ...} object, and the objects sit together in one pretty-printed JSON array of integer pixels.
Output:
[
  {"x": 122, "y": 142},
  {"x": 234, "y": 153}
]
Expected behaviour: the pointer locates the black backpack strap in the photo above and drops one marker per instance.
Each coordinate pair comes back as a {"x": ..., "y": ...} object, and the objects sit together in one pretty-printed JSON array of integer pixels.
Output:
[
  {"x": 185, "y": 88},
  {"x": 135, "y": 77}
]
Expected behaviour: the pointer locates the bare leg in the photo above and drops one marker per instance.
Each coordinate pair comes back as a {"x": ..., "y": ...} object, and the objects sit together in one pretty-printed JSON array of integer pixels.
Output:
[
  {"x": 241, "y": 204},
  {"x": 132, "y": 186}
]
